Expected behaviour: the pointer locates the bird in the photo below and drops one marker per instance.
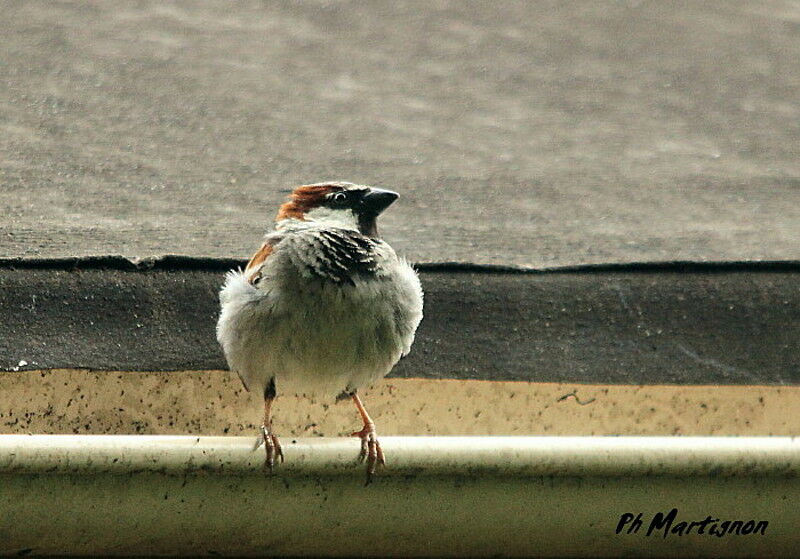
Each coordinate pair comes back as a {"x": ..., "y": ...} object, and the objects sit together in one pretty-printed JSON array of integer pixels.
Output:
[{"x": 323, "y": 309}]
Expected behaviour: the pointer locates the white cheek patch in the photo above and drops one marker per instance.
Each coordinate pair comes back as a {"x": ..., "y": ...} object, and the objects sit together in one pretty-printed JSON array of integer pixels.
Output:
[{"x": 344, "y": 218}]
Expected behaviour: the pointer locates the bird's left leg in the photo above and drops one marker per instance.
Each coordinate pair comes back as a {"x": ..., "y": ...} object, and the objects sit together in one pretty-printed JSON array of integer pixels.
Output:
[
  {"x": 267, "y": 438},
  {"x": 370, "y": 447}
]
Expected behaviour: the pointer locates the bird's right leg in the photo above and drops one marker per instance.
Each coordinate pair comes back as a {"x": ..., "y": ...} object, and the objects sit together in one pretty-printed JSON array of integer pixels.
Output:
[
  {"x": 267, "y": 438},
  {"x": 371, "y": 450}
]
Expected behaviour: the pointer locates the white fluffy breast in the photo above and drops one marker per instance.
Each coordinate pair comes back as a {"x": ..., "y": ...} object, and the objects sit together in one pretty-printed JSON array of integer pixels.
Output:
[{"x": 318, "y": 337}]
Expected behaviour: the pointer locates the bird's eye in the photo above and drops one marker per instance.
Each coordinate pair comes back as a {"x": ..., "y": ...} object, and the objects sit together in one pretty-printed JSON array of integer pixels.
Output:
[{"x": 339, "y": 198}]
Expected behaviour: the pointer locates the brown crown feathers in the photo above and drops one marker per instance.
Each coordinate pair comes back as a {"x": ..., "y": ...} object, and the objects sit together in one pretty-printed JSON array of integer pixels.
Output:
[
  {"x": 301, "y": 200},
  {"x": 306, "y": 198}
]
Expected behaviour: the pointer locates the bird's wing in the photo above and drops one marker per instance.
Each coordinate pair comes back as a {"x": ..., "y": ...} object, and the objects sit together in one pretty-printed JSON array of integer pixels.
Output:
[
  {"x": 336, "y": 255},
  {"x": 253, "y": 269}
]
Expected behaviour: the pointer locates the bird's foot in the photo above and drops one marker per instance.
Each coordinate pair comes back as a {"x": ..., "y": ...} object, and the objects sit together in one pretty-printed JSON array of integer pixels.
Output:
[
  {"x": 370, "y": 450},
  {"x": 271, "y": 445}
]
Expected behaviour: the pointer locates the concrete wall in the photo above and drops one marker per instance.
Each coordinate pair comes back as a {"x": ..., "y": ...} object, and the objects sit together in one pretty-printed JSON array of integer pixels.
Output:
[{"x": 214, "y": 403}]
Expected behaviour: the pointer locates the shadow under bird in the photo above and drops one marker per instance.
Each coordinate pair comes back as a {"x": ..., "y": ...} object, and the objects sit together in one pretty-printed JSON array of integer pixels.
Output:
[{"x": 324, "y": 308}]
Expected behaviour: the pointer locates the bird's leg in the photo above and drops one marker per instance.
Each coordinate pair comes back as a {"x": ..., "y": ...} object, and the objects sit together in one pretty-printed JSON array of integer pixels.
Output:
[
  {"x": 270, "y": 441},
  {"x": 370, "y": 447}
]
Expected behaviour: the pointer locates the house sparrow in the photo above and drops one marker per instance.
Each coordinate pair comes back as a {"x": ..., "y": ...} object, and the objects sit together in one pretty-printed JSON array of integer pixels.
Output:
[{"x": 324, "y": 308}]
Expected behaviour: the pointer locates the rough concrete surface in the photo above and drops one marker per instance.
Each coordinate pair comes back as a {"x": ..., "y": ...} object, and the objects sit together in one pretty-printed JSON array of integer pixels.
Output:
[
  {"x": 528, "y": 133},
  {"x": 214, "y": 403}
]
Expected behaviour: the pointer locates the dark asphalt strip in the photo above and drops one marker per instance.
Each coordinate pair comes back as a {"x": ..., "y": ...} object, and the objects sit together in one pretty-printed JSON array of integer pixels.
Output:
[{"x": 675, "y": 323}]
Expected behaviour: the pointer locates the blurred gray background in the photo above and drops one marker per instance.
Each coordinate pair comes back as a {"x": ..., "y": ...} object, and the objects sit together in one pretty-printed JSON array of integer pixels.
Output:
[{"x": 527, "y": 133}]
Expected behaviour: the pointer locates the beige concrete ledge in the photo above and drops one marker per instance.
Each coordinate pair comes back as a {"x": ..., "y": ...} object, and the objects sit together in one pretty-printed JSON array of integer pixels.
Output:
[{"x": 214, "y": 403}]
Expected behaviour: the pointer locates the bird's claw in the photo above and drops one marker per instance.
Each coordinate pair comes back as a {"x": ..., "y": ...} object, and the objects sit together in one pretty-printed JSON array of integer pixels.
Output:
[
  {"x": 271, "y": 445},
  {"x": 371, "y": 450}
]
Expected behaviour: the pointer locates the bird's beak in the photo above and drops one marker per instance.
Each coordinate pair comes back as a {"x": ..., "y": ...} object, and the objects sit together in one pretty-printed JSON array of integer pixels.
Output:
[{"x": 377, "y": 200}]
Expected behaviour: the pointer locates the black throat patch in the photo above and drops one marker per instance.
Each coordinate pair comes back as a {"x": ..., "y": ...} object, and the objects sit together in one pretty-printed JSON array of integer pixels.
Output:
[{"x": 368, "y": 224}]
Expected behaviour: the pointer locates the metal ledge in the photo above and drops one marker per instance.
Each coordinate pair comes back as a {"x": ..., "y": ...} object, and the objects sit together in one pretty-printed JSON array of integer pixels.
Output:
[
  {"x": 450, "y": 496},
  {"x": 504, "y": 456}
]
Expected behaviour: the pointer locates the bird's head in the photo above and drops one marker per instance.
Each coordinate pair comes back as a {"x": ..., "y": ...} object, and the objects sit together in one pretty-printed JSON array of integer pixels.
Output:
[{"x": 338, "y": 204}]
